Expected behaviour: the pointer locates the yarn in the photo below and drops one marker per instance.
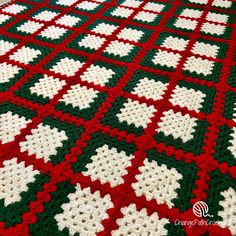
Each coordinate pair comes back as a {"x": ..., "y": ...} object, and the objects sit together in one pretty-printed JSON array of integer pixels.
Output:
[{"x": 117, "y": 117}]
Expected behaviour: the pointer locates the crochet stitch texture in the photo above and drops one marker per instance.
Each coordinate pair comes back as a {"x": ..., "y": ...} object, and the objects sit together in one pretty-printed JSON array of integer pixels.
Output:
[{"x": 117, "y": 116}]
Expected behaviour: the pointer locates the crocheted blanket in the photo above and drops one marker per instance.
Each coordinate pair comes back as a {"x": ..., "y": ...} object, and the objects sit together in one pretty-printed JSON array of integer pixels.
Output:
[{"x": 117, "y": 117}]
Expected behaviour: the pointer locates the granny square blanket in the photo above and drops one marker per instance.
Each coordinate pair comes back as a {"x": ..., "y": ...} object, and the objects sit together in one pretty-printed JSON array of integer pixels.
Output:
[{"x": 118, "y": 118}]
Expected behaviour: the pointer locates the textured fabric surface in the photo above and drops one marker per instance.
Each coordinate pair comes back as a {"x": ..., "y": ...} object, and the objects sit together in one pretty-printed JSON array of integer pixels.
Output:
[{"x": 117, "y": 117}]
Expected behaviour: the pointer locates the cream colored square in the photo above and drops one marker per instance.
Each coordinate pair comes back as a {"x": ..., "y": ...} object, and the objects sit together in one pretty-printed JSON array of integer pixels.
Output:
[
  {"x": 177, "y": 125},
  {"x": 136, "y": 113}
]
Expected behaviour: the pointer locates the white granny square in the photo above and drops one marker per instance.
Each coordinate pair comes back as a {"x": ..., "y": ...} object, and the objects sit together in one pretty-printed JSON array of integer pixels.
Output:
[
  {"x": 43, "y": 141},
  {"x": 68, "y": 20},
  {"x": 25, "y": 55},
  {"x": 152, "y": 6},
  {"x": 14, "y": 9},
  {"x": 150, "y": 88},
  {"x": 157, "y": 182},
  {"x": 189, "y": 98},
  {"x": 67, "y": 66},
  {"x": 108, "y": 165},
  {"x": 134, "y": 222},
  {"x": 192, "y": 13},
  {"x": 84, "y": 212},
  {"x": 228, "y": 210},
  {"x": 7, "y": 72},
  {"x": 4, "y": 18},
  {"x": 11, "y": 125},
  {"x": 80, "y": 96},
  {"x": 53, "y": 32},
  {"x": 92, "y": 41},
  {"x": 104, "y": 28},
  {"x": 14, "y": 180},
  {"x": 175, "y": 43},
  {"x": 45, "y": 15},
  {"x": 199, "y": 65},
  {"x": 66, "y": 2},
  {"x": 131, "y": 3},
  {"x": 48, "y": 86},
  {"x": 136, "y": 113},
  {"x": 130, "y": 34},
  {"x": 86, "y": 5},
  {"x": 145, "y": 16},
  {"x": 222, "y": 3},
  {"x": 122, "y": 12},
  {"x": 204, "y": 2},
  {"x": 6, "y": 46},
  {"x": 97, "y": 74},
  {"x": 30, "y": 27},
  {"x": 119, "y": 48},
  {"x": 205, "y": 49},
  {"x": 177, "y": 125},
  {"x": 165, "y": 58},
  {"x": 185, "y": 24},
  {"x": 211, "y": 28},
  {"x": 217, "y": 17}
]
